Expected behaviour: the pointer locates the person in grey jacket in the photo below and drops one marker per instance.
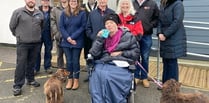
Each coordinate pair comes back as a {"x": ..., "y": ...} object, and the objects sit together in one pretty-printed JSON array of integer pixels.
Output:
[
  {"x": 172, "y": 36},
  {"x": 110, "y": 82},
  {"x": 25, "y": 25},
  {"x": 55, "y": 20}
]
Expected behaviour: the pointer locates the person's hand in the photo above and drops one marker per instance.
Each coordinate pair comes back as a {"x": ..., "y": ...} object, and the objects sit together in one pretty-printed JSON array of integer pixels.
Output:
[
  {"x": 116, "y": 53},
  {"x": 73, "y": 42},
  {"x": 99, "y": 34},
  {"x": 162, "y": 37},
  {"x": 69, "y": 39}
]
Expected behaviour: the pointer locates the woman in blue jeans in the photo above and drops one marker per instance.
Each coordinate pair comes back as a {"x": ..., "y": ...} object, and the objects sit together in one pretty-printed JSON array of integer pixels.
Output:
[{"x": 72, "y": 25}]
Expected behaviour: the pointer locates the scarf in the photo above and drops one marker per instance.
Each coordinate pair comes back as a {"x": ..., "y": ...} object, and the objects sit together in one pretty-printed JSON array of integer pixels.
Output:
[{"x": 112, "y": 42}]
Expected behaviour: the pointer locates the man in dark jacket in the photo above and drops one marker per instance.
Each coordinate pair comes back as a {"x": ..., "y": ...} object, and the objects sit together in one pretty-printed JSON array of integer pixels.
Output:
[
  {"x": 147, "y": 11},
  {"x": 46, "y": 39},
  {"x": 25, "y": 25},
  {"x": 89, "y": 7},
  {"x": 95, "y": 19}
]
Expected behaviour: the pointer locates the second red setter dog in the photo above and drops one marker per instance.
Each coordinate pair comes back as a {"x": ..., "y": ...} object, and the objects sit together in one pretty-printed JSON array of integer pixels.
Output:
[
  {"x": 53, "y": 87},
  {"x": 171, "y": 94}
]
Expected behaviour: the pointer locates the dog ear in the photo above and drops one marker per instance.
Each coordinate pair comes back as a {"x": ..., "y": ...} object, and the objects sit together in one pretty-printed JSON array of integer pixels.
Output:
[
  {"x": 167, "y": 89},
  {"x": 66, "y": 72},
  {"x": 173, "y": 80},
  {"x": 170, "y": 86}
]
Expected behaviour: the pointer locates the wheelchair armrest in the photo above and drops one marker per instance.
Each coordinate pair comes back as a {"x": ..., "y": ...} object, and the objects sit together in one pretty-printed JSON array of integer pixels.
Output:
[
  {"x": 90, "y": 60},
  {"x": 132, "y": 68}
]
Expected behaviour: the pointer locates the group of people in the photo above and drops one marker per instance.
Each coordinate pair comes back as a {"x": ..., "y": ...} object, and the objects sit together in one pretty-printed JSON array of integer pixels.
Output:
[{"x": 124, "y": 36}]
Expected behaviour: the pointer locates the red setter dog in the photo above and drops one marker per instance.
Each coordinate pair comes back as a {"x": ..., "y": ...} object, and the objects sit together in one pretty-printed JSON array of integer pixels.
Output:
[
  {"x": 171, "y": 94},
  {"x": 53, "y": 87}
]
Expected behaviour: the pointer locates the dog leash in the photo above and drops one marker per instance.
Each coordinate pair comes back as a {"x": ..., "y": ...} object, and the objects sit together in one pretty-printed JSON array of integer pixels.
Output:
[
  {"x": 74, "y": 73},
  {"x": 155, "y": 81},
  {"x": 89, "y": 70}
]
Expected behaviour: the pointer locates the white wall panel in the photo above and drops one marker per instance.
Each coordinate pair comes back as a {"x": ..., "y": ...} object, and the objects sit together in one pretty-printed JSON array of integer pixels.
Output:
[{"x": 6, "y": 9}]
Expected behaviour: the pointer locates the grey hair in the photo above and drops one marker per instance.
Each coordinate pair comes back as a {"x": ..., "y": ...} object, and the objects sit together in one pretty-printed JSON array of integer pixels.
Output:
[{"x": 132, "y": 11}]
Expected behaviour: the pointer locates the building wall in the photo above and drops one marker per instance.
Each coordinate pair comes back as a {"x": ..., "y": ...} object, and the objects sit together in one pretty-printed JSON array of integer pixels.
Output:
[
  {"x": 51, "y": 2},
  {"x": 6, "y": 35},
  {"x": 6, "y": 9}
]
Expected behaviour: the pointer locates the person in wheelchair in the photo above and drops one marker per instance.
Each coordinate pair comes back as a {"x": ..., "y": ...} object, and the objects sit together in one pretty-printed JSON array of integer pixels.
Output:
[{"x": 114, "y": 50}]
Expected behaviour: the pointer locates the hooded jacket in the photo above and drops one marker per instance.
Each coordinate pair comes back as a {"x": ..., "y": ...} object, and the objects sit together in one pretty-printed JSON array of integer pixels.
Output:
[{"x": 171, "y": 25}]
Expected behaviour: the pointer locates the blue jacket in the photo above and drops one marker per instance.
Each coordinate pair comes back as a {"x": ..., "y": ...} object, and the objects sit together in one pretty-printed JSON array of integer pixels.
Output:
[
  {"x": 171, "y": 25},
  {"x": 73, "y": 26},
  {"x": 95, "y": 22}
]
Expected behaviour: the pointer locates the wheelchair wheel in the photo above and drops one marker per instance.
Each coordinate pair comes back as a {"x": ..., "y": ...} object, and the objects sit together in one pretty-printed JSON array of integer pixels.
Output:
[{"x": 131, "y": 97}]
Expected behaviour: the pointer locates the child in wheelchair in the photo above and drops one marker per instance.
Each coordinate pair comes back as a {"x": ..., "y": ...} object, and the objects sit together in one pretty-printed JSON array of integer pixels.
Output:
[{"x": 113, "y": 52}]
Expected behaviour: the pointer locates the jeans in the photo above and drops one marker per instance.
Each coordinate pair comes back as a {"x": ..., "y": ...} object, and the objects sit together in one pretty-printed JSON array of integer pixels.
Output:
[
  {"x": 170, "y": 69},
  {"x": 145, "y": 48},
  {"x": 46, "y": 40},
  {"x": 73, "y": 61},
  {"x": 26, "y": 58}
]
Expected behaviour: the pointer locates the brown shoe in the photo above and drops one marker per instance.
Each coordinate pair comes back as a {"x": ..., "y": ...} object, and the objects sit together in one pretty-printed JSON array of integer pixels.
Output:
[
  {"x": 69, "y": 84},
  {"x": 145, "y": 83},
  {"x": 137, "y": 81},
  {"x": 75, "y": 84}
]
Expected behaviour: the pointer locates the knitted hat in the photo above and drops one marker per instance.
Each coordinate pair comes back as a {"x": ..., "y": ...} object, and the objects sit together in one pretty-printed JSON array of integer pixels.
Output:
[{"x": 113, "y": 17}]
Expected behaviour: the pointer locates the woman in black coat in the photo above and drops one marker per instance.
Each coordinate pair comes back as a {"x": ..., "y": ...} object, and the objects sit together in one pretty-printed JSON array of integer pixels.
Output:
[{"x": 172, "y": 36}]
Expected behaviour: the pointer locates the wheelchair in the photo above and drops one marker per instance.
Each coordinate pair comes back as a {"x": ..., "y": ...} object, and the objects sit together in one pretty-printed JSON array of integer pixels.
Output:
[{"x": 131, "y": 96}]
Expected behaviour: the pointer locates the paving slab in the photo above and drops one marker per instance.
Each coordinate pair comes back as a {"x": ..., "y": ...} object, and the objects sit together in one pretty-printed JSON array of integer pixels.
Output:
[{"x": 36, "y": 95}]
